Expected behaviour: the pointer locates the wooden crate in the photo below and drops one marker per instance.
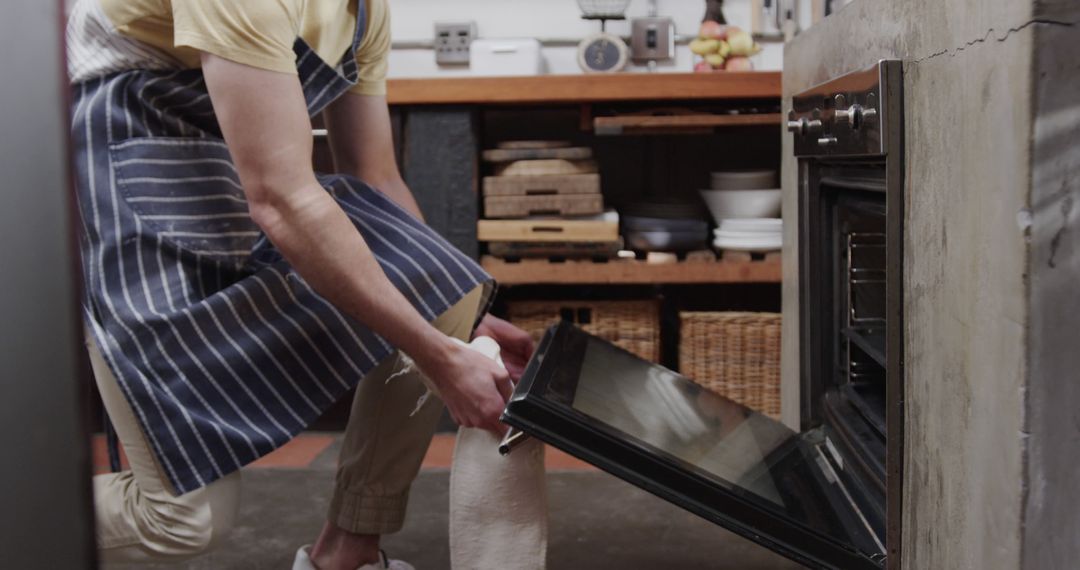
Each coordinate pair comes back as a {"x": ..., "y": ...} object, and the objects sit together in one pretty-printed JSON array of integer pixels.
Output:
[
  {"x": 551, "y": 205},
  {"x": 547, "y": 230},
  {"x": 736, "y": 355},
  {"x": 552, "y": 167},
  {"x": 538, "y": 185},
  {"x": 631, "y": 325},
  {"x": 512, "y": 154}
]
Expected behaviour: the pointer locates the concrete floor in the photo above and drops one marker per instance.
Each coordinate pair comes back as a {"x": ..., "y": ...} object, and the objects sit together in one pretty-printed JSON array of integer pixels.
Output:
[{"x": 597, "y": 521}]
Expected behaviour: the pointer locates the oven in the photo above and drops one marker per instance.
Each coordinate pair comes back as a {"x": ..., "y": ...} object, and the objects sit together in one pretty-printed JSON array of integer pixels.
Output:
[
  {"x": 826, "y": 494},
  {"x": 848, "y": 137}
]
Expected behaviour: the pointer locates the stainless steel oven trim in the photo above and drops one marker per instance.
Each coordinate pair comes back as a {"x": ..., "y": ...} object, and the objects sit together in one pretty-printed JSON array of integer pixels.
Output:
[{"x": 819, "y": 139}]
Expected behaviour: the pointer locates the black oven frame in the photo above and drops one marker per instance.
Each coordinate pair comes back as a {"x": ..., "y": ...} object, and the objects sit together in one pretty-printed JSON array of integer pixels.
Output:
[{"x": 815, "y": 324}]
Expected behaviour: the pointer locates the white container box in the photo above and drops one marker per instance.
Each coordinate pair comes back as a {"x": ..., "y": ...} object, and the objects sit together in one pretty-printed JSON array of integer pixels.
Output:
[{"x": 506, "y": 57}]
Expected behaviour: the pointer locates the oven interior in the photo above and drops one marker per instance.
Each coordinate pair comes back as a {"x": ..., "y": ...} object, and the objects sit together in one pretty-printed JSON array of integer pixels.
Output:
[{"x": 848, "y": 397}]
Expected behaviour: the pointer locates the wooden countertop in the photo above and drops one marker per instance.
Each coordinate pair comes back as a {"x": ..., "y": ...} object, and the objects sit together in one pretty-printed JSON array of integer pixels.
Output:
[{"x": 584, "y": 88}]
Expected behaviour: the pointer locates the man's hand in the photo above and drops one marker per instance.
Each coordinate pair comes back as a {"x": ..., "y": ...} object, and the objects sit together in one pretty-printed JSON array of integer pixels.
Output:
[
  {"x": 473, "y": 386},
  {"x": 516, "y": 344}
]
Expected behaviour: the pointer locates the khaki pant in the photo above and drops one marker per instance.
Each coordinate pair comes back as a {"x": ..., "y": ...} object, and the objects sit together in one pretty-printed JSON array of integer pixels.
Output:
[{"x": 140, "y": 519}]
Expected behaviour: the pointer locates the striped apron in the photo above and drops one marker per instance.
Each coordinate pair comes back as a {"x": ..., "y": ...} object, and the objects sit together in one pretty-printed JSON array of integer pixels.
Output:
[{"x": 224, "y": 352}]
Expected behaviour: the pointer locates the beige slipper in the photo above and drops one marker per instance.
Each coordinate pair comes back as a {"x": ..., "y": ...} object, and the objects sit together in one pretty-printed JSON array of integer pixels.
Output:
[{"x": 303, "y": 562}]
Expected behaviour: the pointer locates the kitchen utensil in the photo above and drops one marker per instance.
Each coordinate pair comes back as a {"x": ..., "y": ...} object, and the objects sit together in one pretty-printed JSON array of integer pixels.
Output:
[
  {"x": 507, "y": 154},
  {"x": 673, "y": 209},
  {"x": 541, "y": 185},
  {"x": 603, "y": 9},
  {"x": 665, "y": 224},
  {"x": 531, "y": 145},
  {"x": 603, "y": 228},
  {"x": 752, "y": 244},
  {"x": 568, "y": 250},
  {"x": 646, "y": 240},
  {"x": 724, "y": 204},
  {"x": 543, "y": 205},
  {"x": 744, "y": 180},
  {"x": 603, "y": 52},
  {"x": 756, "y": 225},
  {"x": 552, "y": 167}
]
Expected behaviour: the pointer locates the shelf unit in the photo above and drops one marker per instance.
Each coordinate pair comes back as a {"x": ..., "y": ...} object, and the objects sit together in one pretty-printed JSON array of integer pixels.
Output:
[
  {"x": 678, "y": 124},
  {"x": 632, "y": 272}
]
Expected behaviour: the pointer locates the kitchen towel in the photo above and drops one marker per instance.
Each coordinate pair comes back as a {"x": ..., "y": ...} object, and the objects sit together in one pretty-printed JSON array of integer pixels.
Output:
[{"x": 498, "y": 504}]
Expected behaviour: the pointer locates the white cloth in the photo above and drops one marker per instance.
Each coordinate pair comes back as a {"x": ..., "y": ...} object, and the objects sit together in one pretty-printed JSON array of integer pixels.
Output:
[{"x": 498, "y": 505}]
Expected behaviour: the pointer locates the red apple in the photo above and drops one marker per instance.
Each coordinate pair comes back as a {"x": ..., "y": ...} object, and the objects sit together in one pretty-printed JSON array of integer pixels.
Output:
[
  {"x": 738, "y": 63},
  {"x": 702, "y": 67},
  {"x": 712, "y": 30}
]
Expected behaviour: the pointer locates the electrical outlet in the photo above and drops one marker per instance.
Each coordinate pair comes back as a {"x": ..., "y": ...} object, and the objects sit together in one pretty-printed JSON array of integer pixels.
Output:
[
  {"x": 452, "y": 41},
  {"x": 652, "y": 39}
]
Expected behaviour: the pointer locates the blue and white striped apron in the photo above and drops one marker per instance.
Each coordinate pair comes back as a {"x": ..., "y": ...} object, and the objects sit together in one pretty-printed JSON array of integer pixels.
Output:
[{"x": 223, "y": 351}]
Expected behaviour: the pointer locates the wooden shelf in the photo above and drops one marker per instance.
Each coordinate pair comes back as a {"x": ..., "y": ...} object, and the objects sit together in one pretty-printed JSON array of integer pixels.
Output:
[
  {"x": 631, "y": 272},
  {"x": 665, "y": 124},
  {"x": 585, "y": 88}
]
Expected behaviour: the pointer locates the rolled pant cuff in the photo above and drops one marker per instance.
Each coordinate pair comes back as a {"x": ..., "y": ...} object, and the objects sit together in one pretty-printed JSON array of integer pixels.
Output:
[{"x": 366, "y": 514}]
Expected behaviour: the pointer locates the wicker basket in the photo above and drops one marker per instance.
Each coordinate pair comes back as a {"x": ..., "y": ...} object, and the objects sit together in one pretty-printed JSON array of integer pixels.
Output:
[
  {"x": 632, "y": 325},
  {"x": 736, "y": 355}
]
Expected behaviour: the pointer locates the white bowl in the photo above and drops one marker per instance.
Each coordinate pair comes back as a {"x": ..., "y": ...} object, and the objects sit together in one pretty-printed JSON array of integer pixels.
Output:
[
  {"x": 743, "y": 180},
  {"x": 746, "y": 235},
  {"x": 724, "y": 204},
  {"x": 748, "y": 244},
  {"x": 760, "y": 225}
]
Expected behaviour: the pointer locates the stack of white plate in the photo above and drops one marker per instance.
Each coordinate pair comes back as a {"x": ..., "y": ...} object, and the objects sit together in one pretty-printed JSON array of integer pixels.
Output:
[
  {"x": 749, "y": 234},
  {"x": 743, "y": 194}
]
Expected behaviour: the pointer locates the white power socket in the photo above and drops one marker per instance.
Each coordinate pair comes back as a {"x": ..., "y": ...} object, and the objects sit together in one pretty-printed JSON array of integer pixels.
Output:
[{"x": 452, "y": 41}]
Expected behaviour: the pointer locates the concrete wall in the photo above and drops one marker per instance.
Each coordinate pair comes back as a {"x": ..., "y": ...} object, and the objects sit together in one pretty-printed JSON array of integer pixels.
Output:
[
  {"x": 1052, "y": 516},
  {"x": 969, "y": 195}
]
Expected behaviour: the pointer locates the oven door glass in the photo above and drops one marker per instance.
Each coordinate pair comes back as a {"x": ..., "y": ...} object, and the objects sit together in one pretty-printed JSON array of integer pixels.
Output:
[{"x": 665, "y": 434}]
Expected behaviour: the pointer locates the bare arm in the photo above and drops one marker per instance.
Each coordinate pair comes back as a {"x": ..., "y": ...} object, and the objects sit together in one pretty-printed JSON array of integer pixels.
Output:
[
  {"x": 362, "y": 144},
  {"x": 264, "y": 119},
  {"x": 361, "y": 141}
]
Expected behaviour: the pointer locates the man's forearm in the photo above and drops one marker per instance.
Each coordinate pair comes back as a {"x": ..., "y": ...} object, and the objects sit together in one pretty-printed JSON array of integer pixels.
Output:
[
  {"x": 324, "y": 247},
  {"x": 397, "y": 191}
]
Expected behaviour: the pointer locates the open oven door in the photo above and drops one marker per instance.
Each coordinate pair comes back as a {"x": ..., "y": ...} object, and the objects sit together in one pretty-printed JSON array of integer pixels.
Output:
[{"x": 739, "y": 469}]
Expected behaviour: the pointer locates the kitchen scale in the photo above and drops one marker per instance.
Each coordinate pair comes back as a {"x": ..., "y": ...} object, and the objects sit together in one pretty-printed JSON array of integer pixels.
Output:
[
  {"x": 603, "y": 52},
  {"x": 658, "y": 430}
]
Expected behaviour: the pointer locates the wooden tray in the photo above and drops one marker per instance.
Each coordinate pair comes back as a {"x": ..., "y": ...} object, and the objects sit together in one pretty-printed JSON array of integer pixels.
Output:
[
  {"x": 510, "y": 154},
  {"x": 552, "y": 167},
  {"x": 544, "y": 205},
  {"x": 531, "y": 145},
  {"x": 556, "y": 250},
  {"x": 547, "y": 230},
  {"x": 541, "y": 185}
]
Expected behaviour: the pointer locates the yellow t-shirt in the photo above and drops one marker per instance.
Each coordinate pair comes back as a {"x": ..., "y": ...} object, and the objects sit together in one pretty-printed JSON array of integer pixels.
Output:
[{"x": 259, "y": 33}]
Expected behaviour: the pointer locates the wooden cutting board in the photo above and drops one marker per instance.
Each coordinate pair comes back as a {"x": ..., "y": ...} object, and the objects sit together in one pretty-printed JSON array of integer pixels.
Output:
[
  {"x": 518, "y": 145},
  {"x": 541, "y": 185},
  {"x": 511, "y": 154},
  {"x": 544, "y": 205},
  {"x": 547, "y": 230},
  {"x": 551, "y": 167},
  {"x": 547, "y": 250}
]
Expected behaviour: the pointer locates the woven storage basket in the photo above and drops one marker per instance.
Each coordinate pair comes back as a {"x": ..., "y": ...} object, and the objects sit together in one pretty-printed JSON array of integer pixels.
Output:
[
  {"x": 631, "y": 325},
  {"x": 736, "y": 355}
]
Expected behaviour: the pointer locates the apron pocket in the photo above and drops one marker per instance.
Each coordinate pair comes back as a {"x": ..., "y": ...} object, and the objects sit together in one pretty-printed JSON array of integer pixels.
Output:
[{"x": 188, "y": 193}]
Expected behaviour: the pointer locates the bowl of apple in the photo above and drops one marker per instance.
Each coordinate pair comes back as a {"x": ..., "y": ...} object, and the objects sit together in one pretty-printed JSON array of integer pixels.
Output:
[{"x": 723, "y": 48}]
